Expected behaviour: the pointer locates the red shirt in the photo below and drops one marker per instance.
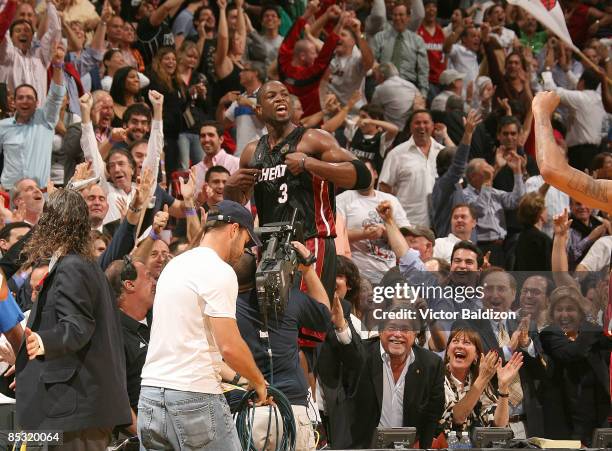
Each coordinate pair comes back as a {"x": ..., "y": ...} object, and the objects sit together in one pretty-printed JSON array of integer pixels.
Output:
[
  {"x": 578, "y": 25},
  {"x": 435, "y": 55},
  {"x": 303, "y": 82},
  {"x": 8, "y": 13}
]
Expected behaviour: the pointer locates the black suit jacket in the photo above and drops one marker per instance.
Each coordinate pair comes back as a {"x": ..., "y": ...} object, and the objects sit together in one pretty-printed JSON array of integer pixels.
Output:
[
  {"x": 578, "y": 397},
  {"x": 79, "y": 382},
  {"x": 533, "y": 374},
  {"x": 423, "y": 391}
]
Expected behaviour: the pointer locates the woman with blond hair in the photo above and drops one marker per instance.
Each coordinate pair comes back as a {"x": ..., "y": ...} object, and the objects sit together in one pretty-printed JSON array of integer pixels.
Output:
[
  {"x": 577, "y": 399},
  {"x": 163, "y": 80}
]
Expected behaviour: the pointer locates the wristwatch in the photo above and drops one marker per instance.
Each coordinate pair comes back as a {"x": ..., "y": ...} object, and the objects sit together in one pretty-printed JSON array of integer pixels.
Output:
[{"x": 340, "y": 329}]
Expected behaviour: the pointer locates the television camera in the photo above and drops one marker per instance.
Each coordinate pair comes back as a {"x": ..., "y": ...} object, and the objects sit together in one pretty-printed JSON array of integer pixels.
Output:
[{"x": 279, "y": 262}]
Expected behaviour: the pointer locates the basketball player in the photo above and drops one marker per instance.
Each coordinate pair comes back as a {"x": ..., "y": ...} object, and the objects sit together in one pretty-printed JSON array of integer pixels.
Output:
[
  {"x": 296, "y": 168},
  {"x": 554, "y": 167}
]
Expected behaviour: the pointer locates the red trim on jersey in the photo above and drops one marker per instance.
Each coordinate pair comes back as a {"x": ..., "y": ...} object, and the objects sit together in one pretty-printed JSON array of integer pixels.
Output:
[
  {"x": 317, "y": 247},
  {"x": 324, "y": 217}
]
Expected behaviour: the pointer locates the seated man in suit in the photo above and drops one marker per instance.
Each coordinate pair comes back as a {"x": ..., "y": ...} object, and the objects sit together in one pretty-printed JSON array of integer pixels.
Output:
[
  {"x": 511, "y": 335},
  {"x": 388, "y": 380}
]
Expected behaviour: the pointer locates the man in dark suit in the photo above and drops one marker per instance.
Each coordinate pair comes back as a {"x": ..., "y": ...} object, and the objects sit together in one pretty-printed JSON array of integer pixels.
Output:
[
  {"x": 388, "y": 380},
  {"x": 71, "y": 368},
  {"x": 506, "y": 337}
]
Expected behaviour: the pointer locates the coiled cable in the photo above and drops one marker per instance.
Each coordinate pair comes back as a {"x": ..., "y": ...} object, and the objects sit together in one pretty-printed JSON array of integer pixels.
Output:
[{"x": 282, "y": 414}]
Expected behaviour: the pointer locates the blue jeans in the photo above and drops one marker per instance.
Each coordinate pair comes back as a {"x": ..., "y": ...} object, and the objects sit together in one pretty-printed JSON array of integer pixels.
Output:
[
  {"x": 189, "y": 149},
  {"x": 179, "y": 420}
]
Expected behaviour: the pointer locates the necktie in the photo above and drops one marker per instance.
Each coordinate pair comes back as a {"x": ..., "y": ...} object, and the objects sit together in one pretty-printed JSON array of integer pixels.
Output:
[
  {"x": 516, "y": 391},
  {"x": 396, "y": 56}
]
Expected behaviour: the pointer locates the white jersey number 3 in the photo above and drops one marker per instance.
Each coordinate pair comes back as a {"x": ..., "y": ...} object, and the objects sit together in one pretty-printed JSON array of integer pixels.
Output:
[{"x": 283, "y": 194}]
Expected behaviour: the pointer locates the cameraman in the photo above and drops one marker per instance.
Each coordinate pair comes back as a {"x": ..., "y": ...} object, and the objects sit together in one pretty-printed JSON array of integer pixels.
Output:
[{"x": 310, "y": 310}]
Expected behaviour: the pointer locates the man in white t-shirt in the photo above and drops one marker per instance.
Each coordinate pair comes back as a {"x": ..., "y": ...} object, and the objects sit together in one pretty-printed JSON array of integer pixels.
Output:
[
  {"x": 370, "y": 250},
  {"x": 181, "y": 401}
]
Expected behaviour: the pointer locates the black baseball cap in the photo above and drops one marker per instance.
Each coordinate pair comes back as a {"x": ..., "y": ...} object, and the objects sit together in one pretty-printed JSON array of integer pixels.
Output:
[{"x": 234, "y": 213}]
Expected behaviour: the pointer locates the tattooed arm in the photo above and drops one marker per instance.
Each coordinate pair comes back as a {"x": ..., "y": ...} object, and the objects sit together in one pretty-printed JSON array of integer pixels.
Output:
[{"x": 553, "y": 165}]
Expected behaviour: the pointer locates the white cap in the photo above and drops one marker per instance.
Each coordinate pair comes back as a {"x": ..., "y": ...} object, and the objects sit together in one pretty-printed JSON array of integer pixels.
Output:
[{"x": 449, "y": 76}]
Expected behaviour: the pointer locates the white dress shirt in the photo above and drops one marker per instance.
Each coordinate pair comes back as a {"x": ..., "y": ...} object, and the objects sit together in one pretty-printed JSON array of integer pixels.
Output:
[
  {"x": 412, "y": 175},
  {"x": 586, "y": 113},
  {"x": 392, "y": 412},
  {"x": 89, "y": 145},
  {"x": 465, "y": 61}
]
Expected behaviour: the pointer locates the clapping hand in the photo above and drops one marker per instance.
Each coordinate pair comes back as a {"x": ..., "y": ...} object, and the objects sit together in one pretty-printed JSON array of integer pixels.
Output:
[
  {"x": 187, "y": 189},
  {"x": 122, "y": 206},
  {"x": 144, "y": 189},
  {"x": 488, "y": 366},
  {"x": 506, "y": 373},
  {"x": 520, "y": 337}
]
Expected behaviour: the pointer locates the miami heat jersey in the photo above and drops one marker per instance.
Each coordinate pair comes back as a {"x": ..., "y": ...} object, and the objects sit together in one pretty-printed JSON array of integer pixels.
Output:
[{"x": 278, "y": 192}]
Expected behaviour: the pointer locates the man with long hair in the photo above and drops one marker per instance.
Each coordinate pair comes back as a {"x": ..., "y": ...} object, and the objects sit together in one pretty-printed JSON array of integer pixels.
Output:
[{"x": 71, "y": 371}]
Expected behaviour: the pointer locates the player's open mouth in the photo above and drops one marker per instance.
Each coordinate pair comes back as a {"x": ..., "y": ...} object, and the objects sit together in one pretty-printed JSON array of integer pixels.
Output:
[{"x": 281, "y": 109}]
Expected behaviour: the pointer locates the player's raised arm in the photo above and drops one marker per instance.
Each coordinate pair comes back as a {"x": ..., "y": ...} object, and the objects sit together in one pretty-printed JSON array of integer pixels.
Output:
[
  {"x": 320, "y": 154},
  {"x": 553, "y": 165}
]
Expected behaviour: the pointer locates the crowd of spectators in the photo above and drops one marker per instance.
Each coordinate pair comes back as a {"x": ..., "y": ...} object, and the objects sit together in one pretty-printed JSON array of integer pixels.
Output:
[{"x": 145, "y": 107}]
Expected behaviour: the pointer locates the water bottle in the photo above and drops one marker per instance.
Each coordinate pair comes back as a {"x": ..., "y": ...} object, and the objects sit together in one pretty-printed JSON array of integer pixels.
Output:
[
  {"x": 465, "y": 443},
  {"x": 453, "y": 443}
]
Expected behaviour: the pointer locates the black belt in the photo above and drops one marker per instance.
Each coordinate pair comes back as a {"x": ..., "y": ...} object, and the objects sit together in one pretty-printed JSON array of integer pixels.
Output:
[{"x": 517, "y": 418}]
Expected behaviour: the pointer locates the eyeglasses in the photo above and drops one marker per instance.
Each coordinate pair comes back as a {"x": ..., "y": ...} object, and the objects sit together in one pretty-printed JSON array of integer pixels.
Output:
[{"x": 397, "y": 329}]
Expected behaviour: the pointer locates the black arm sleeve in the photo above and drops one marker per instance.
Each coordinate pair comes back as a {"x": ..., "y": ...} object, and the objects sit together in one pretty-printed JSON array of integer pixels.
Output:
[{"x": 364, "y": 178}]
